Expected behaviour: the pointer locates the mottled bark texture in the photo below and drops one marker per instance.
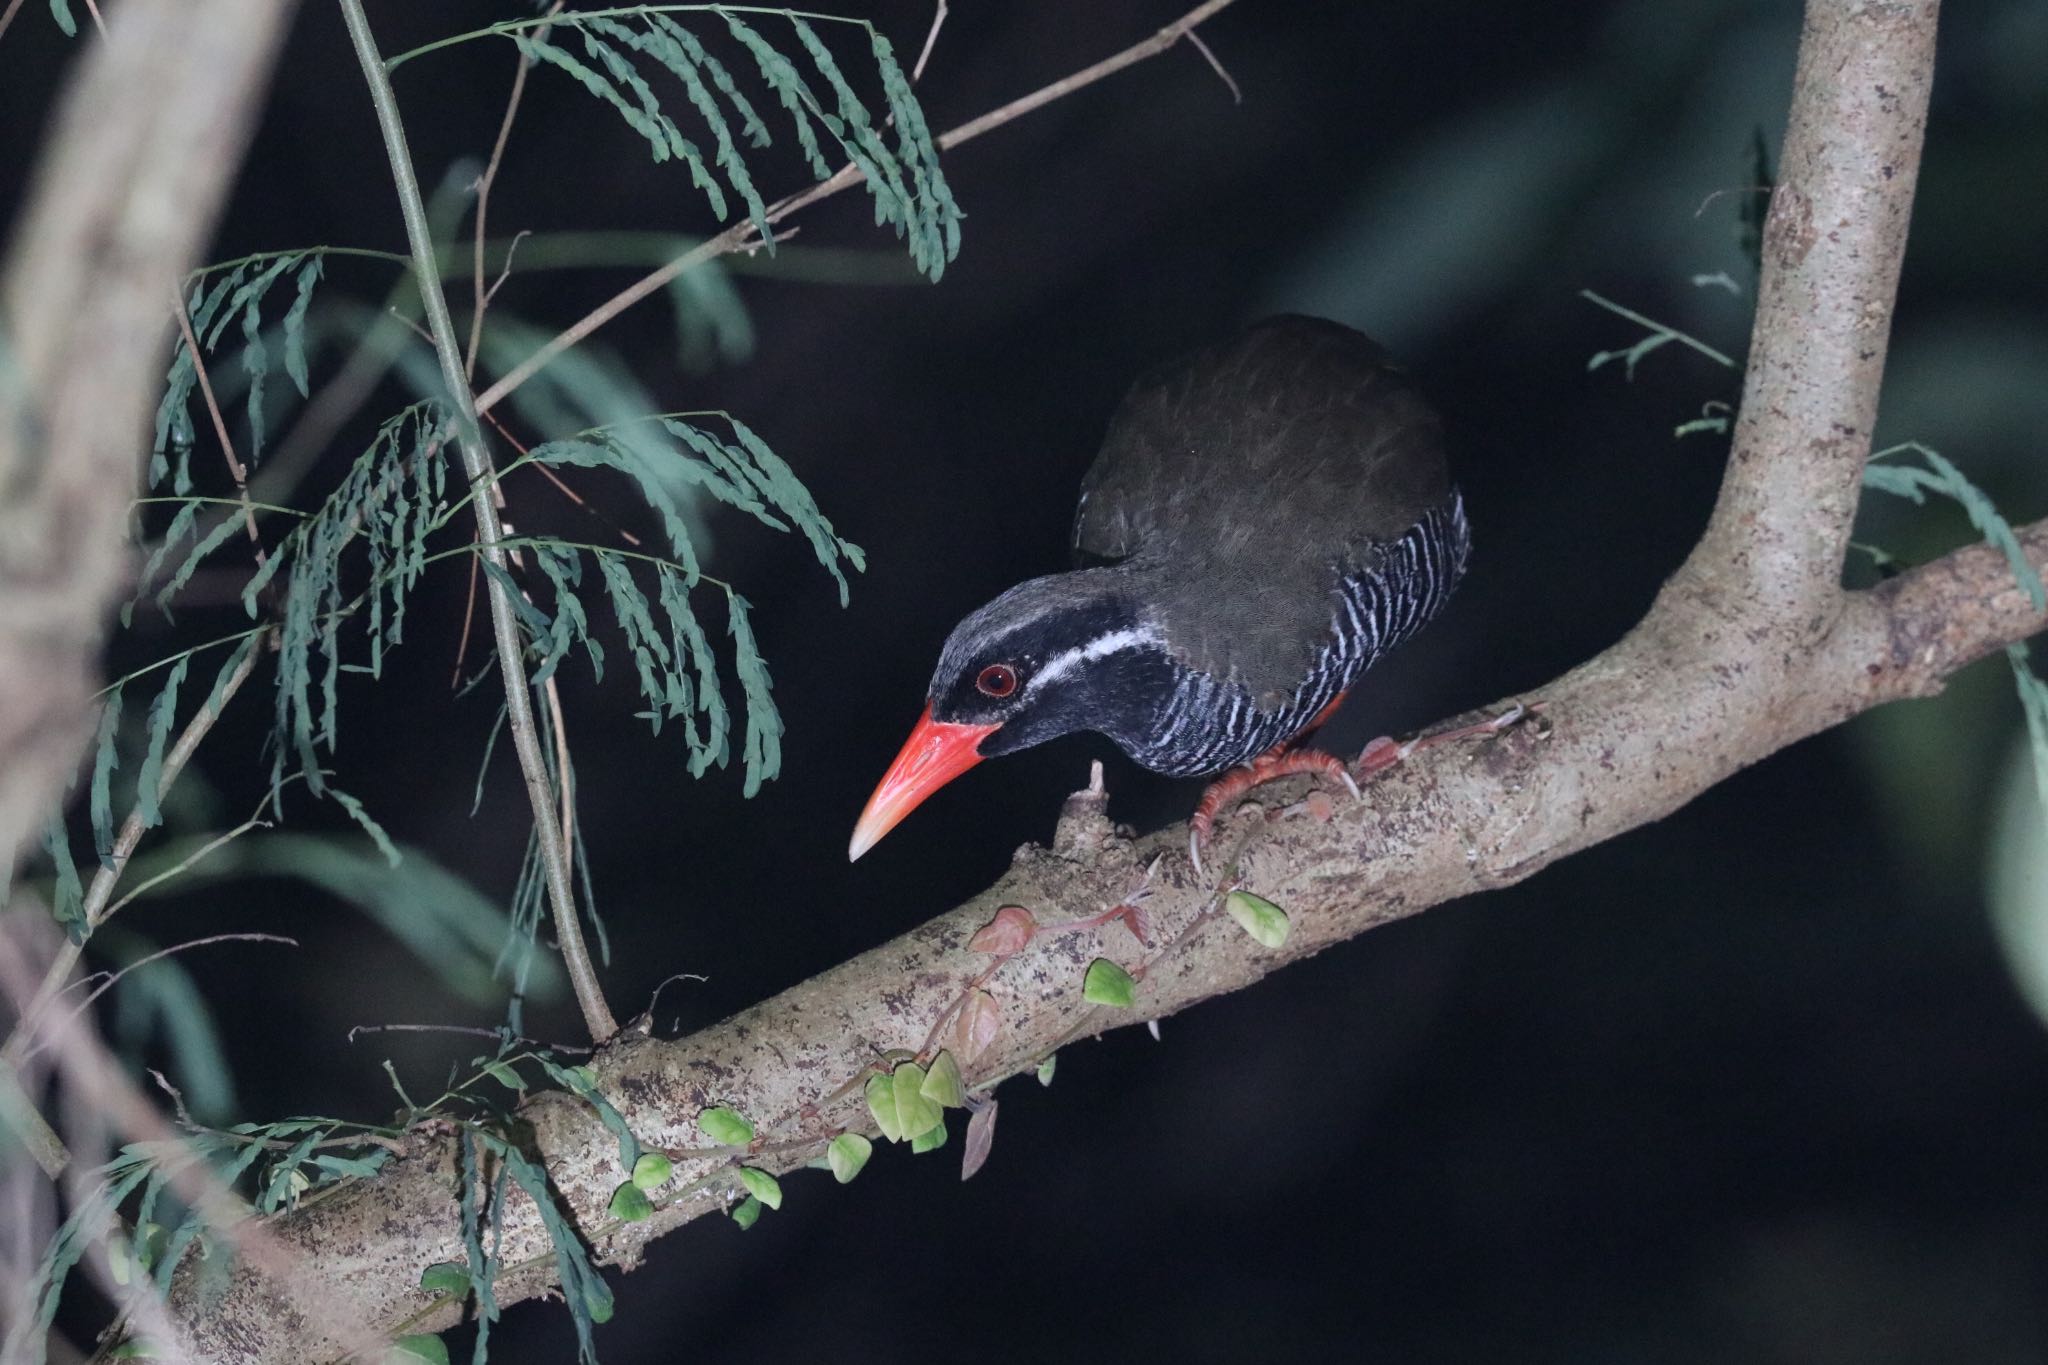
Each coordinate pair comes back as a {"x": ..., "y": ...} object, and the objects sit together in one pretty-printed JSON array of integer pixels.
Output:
[
  {"x": 145, "y": 141},
  {"x": 1751, "y": 646}
]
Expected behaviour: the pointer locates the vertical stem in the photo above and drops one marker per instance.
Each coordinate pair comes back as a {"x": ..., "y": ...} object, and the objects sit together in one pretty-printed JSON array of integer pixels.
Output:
[{"x": 476, "y": 463}]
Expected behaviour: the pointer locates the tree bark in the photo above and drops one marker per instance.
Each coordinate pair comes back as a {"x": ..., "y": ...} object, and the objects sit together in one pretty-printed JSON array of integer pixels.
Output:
[
  {"x": 1751, "y": 646},
  {"x": 145, "y": 142}
]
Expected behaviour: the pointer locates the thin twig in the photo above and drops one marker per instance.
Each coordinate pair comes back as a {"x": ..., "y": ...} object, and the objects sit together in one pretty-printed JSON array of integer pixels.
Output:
[
  {"x": 483, "y": 197},
  {"x": 464, "y": 1029},
  {"x": 1236, "y": 95},
  {"x": 468, "y": 619},
  {"x": 476, "y": 462},
  {"x": 1656, "y": 328},
  {"x": 930, "y": 40},
  {"x": 114, "y": 977},
  {"x": 220, "y": 426},
  {"x": 741, "y": 236},
  {"x": 187, "y": 863},
  {"x": 505, "y": 270},
  {"x": 7, "y": 17}
]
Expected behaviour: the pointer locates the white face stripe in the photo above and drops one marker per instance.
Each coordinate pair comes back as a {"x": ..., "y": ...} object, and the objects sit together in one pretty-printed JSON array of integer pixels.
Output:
[{"x": 1096, "y": 648}]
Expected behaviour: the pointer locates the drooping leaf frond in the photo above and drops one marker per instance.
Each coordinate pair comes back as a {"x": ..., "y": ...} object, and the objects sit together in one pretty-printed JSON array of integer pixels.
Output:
[
  {"x": 905, "y": 181},
  {"x": 392, "y": 498}
]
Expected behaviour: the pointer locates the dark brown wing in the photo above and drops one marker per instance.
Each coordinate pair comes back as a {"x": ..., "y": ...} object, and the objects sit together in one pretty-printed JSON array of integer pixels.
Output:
[{"x": 1240, "y": 480}]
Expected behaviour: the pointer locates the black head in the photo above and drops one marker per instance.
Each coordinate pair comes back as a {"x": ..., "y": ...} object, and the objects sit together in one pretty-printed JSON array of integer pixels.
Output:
[{"x": 1049, "y": 657}]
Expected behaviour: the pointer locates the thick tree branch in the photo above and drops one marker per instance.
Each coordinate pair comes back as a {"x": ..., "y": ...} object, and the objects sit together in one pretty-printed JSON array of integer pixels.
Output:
[
  {"x": 144, "y": 144},
  {"x": 1832, "y": 246},
  {"x": 1751, "y": 647}
]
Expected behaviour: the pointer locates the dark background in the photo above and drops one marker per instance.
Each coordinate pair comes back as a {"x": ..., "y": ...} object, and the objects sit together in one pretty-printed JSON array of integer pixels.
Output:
[{"x": 1754, "y": 1084}]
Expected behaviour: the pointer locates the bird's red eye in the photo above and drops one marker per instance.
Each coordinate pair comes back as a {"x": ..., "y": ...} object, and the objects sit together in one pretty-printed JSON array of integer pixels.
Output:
[{"x": 997, "y": 680}]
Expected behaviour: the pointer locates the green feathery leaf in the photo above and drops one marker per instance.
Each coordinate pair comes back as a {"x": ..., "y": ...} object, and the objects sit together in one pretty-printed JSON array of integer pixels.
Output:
[
  {"x": 162, "y": 712},
  {"x": 104, "y": 760}
]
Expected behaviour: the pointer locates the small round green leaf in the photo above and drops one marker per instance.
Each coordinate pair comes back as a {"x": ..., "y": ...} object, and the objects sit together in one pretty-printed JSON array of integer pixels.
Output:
[
  {"x": 847, "y": 1154},
  {"x": 1047, "y": 1067},
  {"x": 630, "y": 1204},
  {"x": 1266, "y": 922},
  {"x": 1108, "y": 984},
  {"x": 725, "y": 1128},
  {"x": 445, "y": 1277},
  {"x": 931, "y": 1139},
  {"x": 915, "y": 1114},
  {"x": 881, "y": 1093},
  {"x": 747, "y": 1212},
  {"x": 942, "y": 1084},
  {"x": 598, "y": 1301},
  {"x": 419, "y": 1349},
  {"x": 762, "y": 1186},
  {"x": 652, "y": 1170}
]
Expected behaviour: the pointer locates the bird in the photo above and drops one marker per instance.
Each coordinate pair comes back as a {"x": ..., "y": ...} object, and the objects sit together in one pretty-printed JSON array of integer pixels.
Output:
[{"x": 1266, "y": 517}]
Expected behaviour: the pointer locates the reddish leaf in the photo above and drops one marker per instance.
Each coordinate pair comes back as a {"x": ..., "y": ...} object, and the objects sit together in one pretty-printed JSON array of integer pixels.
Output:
[
  {"x": 1137, "y": 921},
  {"x": 981, "y": 1134},
  {"x": 1007, "y": 934},
  {"x": 979, "y": 1021}
]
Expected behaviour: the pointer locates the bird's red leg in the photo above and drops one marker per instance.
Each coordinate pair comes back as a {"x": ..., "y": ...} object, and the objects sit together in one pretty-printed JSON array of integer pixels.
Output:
[{"x": 1280, "y": 761}]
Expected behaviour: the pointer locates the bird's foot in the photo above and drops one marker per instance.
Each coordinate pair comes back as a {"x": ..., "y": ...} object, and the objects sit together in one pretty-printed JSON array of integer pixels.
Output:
[{"x": 1226, "y": 791}]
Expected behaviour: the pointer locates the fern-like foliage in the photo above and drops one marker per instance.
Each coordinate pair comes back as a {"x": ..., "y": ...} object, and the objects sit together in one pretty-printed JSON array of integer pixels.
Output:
[
  {"x": 392, "y": 499},
  {"x": 903, "y": 176},
  {"x": 218, "y": 298}
]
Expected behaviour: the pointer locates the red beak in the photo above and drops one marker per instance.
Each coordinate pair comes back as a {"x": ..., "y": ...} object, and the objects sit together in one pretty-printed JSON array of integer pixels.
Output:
[{"x": 935, "y": 754}]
